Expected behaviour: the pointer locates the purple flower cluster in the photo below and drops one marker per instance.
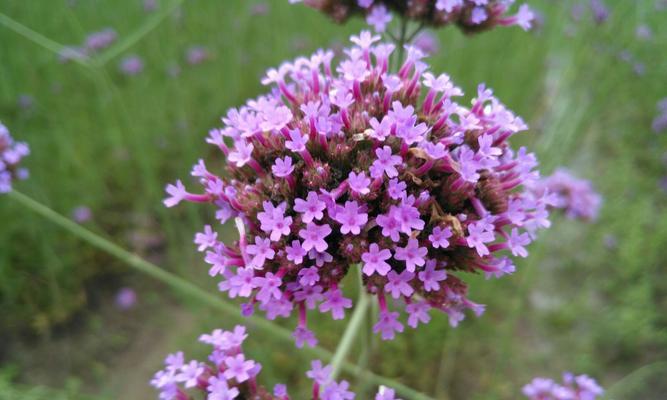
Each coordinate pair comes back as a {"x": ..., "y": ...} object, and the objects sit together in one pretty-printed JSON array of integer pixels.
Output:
[
  {"x": 94, "y": 42},
  {"x": 660, "y": 121},
  {"x": 469, "y": 15},
  {"x": 11, "y": 153},
  {"x": 228, "y": 374},
  {"x": 576, "y": 197},
  {"x": 580, "y": 387},
  {"x": 351, "y": 166}
]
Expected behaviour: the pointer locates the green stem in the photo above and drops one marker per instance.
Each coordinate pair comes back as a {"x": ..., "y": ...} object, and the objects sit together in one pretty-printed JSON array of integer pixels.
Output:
[
  {"x": 401, "y": 42},
  {"x": 210, "y": 299},
  {"x": 351, "y": 331}
]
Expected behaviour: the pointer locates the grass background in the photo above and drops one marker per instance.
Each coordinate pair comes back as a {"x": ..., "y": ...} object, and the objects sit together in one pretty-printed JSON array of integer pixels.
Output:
[{"x": 590, "y": 298}]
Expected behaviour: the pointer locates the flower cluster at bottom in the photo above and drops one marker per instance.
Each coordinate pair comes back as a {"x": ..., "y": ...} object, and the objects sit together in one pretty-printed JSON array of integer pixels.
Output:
[
  {"x": 229, "y": 375},
  {"x": 11, "y": 153},
  {"x": 579, "y": 387}
]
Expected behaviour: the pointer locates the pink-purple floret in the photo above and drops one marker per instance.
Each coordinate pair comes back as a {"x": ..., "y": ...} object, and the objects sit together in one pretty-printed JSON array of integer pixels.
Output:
[
  {"x": 343, "y": 167},
  {"x": 228, "y": 374},
  {"x": 11, "y": 154}
]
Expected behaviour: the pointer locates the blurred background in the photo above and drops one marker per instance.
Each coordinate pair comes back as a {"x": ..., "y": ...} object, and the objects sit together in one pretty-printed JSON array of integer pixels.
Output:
[{"x": 109, "y": 130}]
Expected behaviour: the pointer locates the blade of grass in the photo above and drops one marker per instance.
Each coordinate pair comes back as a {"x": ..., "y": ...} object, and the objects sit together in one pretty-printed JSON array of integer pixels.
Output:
[
  {"x": 128, "y": 41},
  {"x": 213, "y": 301},
  {"x": 37, "y": 37}
]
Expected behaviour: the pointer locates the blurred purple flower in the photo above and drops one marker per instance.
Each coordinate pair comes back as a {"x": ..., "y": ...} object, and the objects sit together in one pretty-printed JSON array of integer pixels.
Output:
[
  {"x": 131, "y": 65},
  {"x": 126, "y": 298},
  {"x": 82, "y": 214}
]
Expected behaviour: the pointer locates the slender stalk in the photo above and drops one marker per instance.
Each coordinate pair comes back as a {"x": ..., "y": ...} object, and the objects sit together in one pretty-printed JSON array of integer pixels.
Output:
[
  {"x": 353, "y": 327},
  {"x": 210, "y": 299},
  {"x": 36, "y": 37}
]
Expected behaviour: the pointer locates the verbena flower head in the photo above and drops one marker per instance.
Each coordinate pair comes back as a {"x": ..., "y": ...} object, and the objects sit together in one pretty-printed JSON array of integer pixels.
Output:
[
  {"x": 11, "y": 153},
  {"x": 351, "y": 166},
  {"x": 576, "y": 197},
  {"x": 580, "y": 387},
  {"x": 228, "y": 374},
  {"x": 469, "y": 15}
]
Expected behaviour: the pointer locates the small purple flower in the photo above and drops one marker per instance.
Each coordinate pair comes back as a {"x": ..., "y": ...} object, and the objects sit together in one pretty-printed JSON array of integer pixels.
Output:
[
  {"x": 439, "y": 237},
  {"x": 385, "y": 163},
  {"x": 313, "y": 236},
  {"x": 418, "y": 312},
  {"x": 478, "y": 235},
  {"x": 190, "y": 372},
  {"x": 412, "y": 254},
  {"x": 295, "y": 252},
  {"x": 303, "y": 336},
  {"x": 308, "y": 276},
  {"x": 238, "y": 368},
  {"x": 311, "y": 208},
  {"x": 269, "y": 287},
  {"x": 399, "y": 284},
  {"x": 219, "y": 390},
  {"x": 430, "y": 276},
  {"x": 261, "y": 251},
  {"x": 337, "y": 391},
  {"x": 379, "y": 18},
  {"x": 297, "y": 142},
  {"x": 396, "y": 189},
  {"x": 359, "y": 182},
  {"x": 318, "y": 373},
  {"x": 206, "y": 239},
  {"x": 336, "y": 303},
  {"x": 283, "y": 167},
  {"x": 375, "y": 260},
  {"x": 351, "y": 217},
  {"x": 388, "y": 325}
]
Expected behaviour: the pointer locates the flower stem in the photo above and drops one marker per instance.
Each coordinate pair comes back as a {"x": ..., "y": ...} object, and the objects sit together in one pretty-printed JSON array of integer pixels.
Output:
[
  {"x": 351, "y": 331},
  {"x": 401, "y": 42},
  {"x": 215, "y": 302}
]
